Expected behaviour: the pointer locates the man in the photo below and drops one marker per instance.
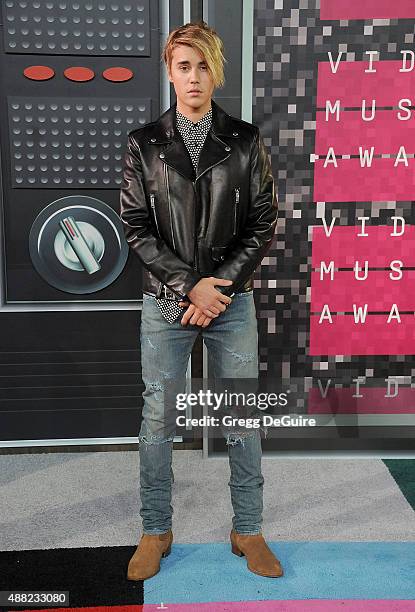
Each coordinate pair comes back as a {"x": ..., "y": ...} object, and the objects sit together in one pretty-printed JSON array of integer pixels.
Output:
[{"x": 199, "y": 209}]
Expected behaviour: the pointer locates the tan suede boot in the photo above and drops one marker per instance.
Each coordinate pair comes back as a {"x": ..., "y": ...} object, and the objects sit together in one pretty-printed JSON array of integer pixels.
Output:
[
  {"x": 260, "y": 558},
  {"x": 145, "y": 562}
]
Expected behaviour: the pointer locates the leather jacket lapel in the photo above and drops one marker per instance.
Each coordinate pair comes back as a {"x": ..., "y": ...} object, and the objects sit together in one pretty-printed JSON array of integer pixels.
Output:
[
  {"x": 214, "y": 151},
  {"x": 177, "y": 157}
]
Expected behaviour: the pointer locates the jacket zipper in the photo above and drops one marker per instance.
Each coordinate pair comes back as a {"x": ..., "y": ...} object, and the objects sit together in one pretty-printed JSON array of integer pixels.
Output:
[
  {"x": 166, "y": 177},
  {"x": 195, "y": 251},
  {"x": 236, "y": 205},
  {"x": 153, "y": 206},
  {"x": 213, "y": 165}
]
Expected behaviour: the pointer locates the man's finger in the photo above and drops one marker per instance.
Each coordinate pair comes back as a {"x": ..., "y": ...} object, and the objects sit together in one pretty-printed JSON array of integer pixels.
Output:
[
  {"x": 195, "y": 317},
  {"x": 189, "y": 312},
  {"x": 201, "y": 320},
  {"x": 209, "y": 312},
  {"x": 223, "y": 298},
  {"x": 222, "y": 281},
  {"x": 220, "y": 306},
  {"x": 214, "y": 310},
  {"x": 207, "y": 321}
]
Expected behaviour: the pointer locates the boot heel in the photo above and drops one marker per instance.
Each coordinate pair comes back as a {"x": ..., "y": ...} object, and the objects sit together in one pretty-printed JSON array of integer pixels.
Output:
[
  {"x": 167, "y": 552},
  {"x": 236, "y": 551}
]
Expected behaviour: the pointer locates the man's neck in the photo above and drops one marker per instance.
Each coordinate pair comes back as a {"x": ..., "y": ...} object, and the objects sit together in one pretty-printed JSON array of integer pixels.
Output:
[{"x": 194, "y": 114}]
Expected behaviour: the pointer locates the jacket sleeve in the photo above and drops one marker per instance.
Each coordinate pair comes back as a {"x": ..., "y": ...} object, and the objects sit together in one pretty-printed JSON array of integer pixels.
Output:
[
  {"x": 152, "y": 250},
  {"x": 260, "y": 224}
]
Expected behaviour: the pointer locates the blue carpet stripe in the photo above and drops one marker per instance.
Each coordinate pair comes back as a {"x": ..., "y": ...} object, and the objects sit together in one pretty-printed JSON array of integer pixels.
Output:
[{"x": 313, "y": 570}]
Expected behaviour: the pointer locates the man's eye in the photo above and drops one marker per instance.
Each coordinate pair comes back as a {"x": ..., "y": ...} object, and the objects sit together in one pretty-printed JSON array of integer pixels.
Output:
[{"x": 186, "y": 67}]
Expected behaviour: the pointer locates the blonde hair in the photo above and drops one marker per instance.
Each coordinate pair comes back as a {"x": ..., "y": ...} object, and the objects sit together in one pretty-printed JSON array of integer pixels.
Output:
[{"x": 205, "y": 40}]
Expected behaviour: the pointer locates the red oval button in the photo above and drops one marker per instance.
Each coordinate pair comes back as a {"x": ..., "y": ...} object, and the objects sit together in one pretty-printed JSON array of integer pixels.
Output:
[
  {"x": 79, "y": 74},
  {"x": 39, "y": 73},
  {"x": 117, "y": 74}
]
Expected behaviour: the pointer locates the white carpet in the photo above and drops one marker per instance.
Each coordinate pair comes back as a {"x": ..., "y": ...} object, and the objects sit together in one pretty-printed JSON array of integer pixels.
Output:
[{"x": 91, "y": 499}]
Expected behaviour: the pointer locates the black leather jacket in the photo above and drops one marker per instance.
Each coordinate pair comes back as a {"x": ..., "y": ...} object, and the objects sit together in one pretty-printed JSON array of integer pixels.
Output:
[{"x": 183, "y": 226}]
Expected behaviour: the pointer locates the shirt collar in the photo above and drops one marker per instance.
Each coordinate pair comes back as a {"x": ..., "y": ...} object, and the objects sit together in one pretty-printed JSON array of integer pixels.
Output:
[{"x": 189, "y": 123}]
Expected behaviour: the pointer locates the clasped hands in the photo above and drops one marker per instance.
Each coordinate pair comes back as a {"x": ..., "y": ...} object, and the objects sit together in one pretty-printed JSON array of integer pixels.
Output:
[{"x": 206, "y": 302}]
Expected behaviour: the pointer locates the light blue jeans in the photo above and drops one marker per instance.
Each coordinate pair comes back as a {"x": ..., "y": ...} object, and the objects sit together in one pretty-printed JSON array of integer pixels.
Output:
[{"x": 232, "y": 344}]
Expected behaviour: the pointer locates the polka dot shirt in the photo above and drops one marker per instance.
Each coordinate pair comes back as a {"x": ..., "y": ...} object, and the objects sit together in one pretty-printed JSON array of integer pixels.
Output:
[{"x": 194, "y": 134}]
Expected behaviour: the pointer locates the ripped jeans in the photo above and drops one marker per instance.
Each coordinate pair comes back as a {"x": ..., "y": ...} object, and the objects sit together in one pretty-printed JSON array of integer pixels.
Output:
[{"x": 232, "y": 344}]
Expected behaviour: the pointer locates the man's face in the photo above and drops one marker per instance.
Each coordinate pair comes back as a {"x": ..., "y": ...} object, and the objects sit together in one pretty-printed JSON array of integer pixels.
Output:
[{"x": 189, "y": 72}]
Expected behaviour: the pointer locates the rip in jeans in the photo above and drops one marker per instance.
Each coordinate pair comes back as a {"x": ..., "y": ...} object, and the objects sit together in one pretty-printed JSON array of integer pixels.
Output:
[
  {"x": 243, "y": 358},
  {"x": 154, "y": 439},
  {"x": 239, "y": 437}
]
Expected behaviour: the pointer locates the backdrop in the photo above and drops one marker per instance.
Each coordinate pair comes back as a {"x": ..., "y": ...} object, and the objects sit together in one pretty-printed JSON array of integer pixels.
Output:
[{"x": 331, "y": 90}]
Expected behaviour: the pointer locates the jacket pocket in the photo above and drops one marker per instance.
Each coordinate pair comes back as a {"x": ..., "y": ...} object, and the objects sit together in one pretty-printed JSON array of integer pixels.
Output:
[
  {"x": 235, "y": 210},
  {"x": 153, "y": 208},
  {"x": 218, "y": 253}
]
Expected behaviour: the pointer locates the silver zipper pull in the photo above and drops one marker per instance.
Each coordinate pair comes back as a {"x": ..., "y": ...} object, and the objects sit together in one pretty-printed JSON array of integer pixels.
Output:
[
  {"x": 153, "y": 206},
  {"x": 235, "y": 216}
]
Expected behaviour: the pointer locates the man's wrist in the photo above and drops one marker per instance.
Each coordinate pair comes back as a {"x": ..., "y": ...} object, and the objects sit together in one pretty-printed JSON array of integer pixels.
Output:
[{"x": 190, "y": 285}]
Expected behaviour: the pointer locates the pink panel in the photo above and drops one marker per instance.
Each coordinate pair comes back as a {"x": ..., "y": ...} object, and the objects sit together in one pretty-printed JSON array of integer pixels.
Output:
[
  {"x": 350, "y": 182},
  {"x": 367, "y": 9},
  {"x": 344, "y": 246},
  {"x": 374, "y": 337},
  {"x": 351, "y": 84},
  {"x": 378, "y": 291},
  {"x": 385, "y": 133},
  {"x": 341, "y": 401}
]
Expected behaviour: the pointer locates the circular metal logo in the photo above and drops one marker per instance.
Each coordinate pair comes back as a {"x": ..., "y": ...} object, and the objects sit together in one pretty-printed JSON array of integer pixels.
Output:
[{"x": 77, "y": 244}]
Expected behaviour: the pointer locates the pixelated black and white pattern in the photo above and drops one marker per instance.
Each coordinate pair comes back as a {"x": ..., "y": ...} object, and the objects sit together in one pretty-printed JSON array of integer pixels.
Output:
[{"x": 289, "y": 42}]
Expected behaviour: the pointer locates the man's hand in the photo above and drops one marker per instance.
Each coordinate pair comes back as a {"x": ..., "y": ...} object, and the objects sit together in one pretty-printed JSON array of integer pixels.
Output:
[
  {"x": 194, "y": 315},
  {"x": 208, "y": 299}
]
